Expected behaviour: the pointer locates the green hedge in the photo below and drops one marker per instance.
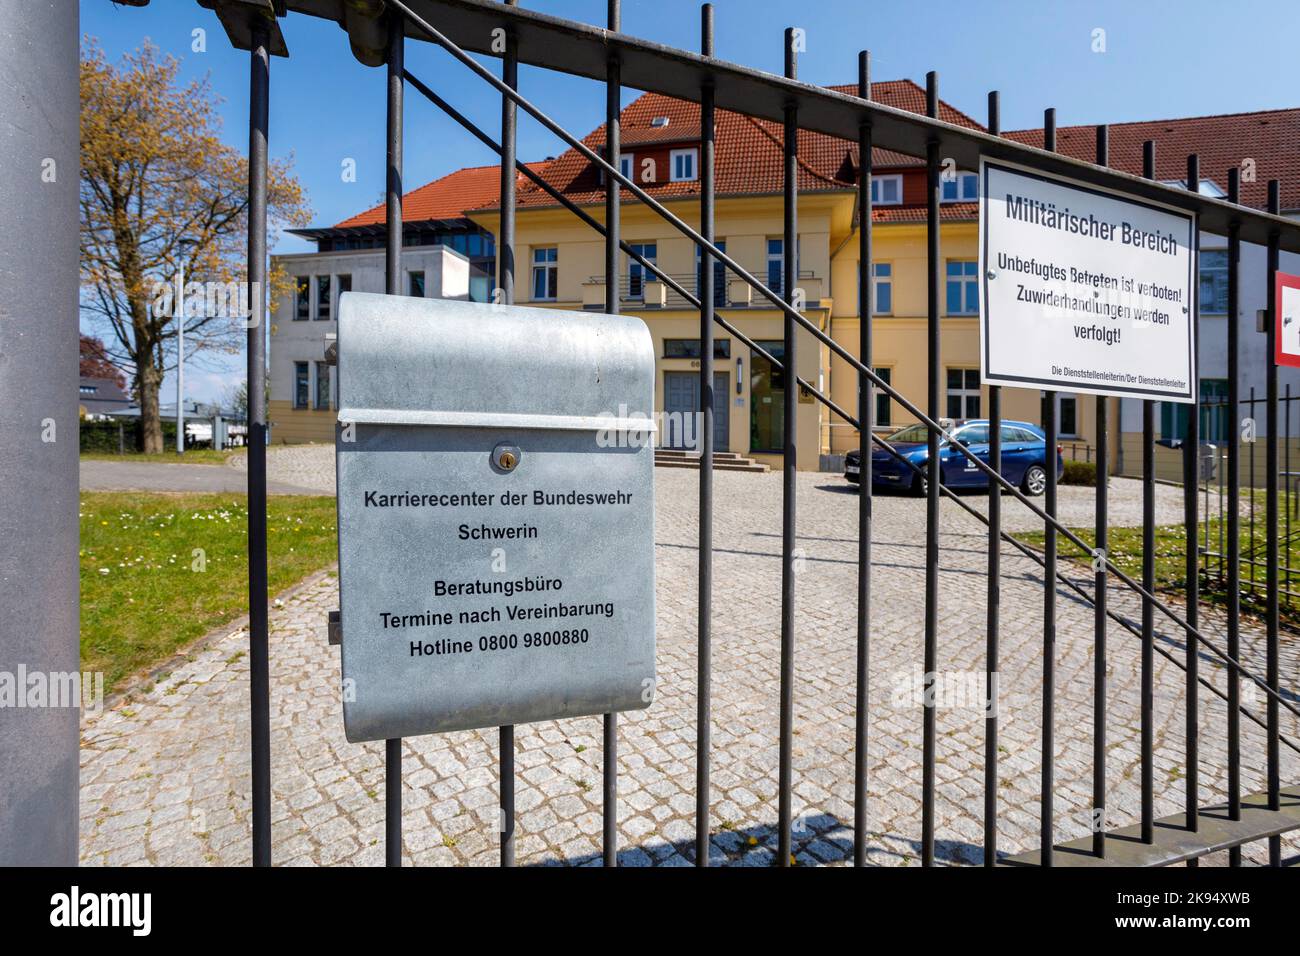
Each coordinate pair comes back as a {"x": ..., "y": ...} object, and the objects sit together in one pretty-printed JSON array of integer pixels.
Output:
[
  {"x": 103, "y": 436},
  {"x": 1079, "y": 473}
]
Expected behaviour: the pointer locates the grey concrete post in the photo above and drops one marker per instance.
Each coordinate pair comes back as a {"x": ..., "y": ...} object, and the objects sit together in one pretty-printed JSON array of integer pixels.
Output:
[{"x": 38, "y": 426}]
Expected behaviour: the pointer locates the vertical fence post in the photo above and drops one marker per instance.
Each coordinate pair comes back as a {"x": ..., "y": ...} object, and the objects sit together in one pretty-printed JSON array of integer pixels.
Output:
[
  {"x": 994, "y": 599},
  {"x": 932, "y": 477},
  {"x": 613, "y": 107},
  {"x": 1270, "y": 520},
  {"x": 393, "y": 286},
  {"x": 506, "y": 283},
  {"x": 1101, "y": 545},
  {"x": 259, "y": 667},
  {"x": 39, "y": 782},
  {"x": 1233, "y": 522},
  {"x": 866, "y": 423},
  {"x": 789, "y": 279},
  {"x": 704, "y": 677},
  {"x": 1147, "y": 719},
  {"x": 1191, "y": 478},
  {"x": 1048, "y": 771}
]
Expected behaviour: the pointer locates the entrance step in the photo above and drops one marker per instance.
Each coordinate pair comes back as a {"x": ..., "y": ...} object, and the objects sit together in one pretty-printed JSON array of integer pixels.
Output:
[
  {"x": 1174, "y": 843},
  {"x": 722, "y": 460}
]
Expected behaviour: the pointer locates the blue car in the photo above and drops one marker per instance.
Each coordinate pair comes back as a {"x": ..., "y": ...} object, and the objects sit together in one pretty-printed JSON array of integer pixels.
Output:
[{"x": 1024, "y": 457}]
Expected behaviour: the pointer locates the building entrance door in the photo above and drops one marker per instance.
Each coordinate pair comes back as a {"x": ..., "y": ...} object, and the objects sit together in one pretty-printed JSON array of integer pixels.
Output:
[{"x": 682, "y": 400}]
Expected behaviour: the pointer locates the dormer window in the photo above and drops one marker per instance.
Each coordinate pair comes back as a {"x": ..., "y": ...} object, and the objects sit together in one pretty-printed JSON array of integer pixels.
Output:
[
  {"x": 964, "y": 187},
  {"x": 887, "y": 190},
  {"x": 683, "y": 166}
]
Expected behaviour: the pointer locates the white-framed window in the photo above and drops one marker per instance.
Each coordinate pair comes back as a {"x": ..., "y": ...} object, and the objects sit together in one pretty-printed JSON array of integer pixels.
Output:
[
  {"x": 323, "y": 301},
  {"x": 1214, "y": 281},
  {"x": 322, "y": 386},
  {"x": 719, "y": 274},
  {"x": 626, "y": 163},
  {"x": 1067, "y": 415},
  {"x": 776, "y": 263},
  {"x": 965, "y": 187},
  {"x": 683, "y": 165},
  {"x": 887, "y": 190},
  {"x": 883, "y": 405},
  {"x": 301, "y": 384},
  {"x": 546, "y": 273},
  {"x": 882, "y": 288},
  {"x": 962, "y": 287},
  {"x": 636, "y": 273},
  {"x": 963, "y": 393},
  {"x": 302, "y": 299}
]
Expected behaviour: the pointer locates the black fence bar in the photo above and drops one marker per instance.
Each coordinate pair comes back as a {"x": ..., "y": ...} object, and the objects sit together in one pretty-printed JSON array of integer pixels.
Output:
[
  {"x": 393, "y": 286},
  {"x": 1271, "y": 557},
  {"x": 613, "y": 107},
  {"x": 867, "y": 421},
  {"x": 932, "y": 165},
  {"x": 1147, "y": 782},
  {"x": 1191, "y": 478},
  {"x": 506, "y": 283},
  {"x": 994, "y": 599},
  {"x": 1233, "y": 521},
  {"x": 704, "y": 678},
  {"x": 1048, "y": 768},
  {"x": 790, "y": 275},
  {"x": 259, "y": 665},
  {"x": 1099, "y": 584}
]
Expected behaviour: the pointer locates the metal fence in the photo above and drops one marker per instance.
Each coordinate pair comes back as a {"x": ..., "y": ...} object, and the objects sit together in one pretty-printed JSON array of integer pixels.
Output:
[
  {"x": 463, "y": 28},
  {"x": 1284, "y": 521}
]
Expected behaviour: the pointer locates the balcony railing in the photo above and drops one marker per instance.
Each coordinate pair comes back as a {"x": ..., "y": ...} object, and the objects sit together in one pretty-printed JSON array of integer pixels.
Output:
[{"x": 637, "y": 292}]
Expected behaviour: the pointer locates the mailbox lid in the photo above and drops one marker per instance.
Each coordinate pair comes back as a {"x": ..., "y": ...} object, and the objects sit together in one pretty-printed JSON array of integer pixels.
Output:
[{"x": 442, "y": 361}]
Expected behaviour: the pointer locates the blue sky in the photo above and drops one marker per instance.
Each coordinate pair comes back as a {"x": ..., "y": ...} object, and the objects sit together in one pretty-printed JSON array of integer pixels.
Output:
[{"x": 1161, "y": 59}]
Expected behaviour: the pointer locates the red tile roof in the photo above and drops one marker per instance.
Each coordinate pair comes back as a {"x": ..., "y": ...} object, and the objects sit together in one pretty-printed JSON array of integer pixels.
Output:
[
  {"x": 1271, "y": 138},
  {"x": 474, "y": 187},
  {"x": 749, "y": 150}
]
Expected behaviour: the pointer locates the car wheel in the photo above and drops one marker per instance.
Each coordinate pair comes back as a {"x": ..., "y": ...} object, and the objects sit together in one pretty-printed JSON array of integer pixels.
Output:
[
  {"x": 1035, "y": 480},
  {"x": 920, "y": 486}
]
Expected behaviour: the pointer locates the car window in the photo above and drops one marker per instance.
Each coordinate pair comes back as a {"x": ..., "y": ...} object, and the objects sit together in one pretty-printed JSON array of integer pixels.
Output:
[
  {"x": 916, "y": 433},
  {"x": 1027, "y": 435},
  {"x": 974, "y": 434}
]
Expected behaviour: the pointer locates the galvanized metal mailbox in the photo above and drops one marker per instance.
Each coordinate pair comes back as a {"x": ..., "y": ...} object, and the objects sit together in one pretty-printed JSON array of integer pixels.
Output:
[{"x": 496, "y": 514}]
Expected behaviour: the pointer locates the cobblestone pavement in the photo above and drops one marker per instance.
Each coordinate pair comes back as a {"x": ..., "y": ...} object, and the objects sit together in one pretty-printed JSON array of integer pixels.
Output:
[
  {"x": 99, "y": 475},
  {"x": 166, "y": 779}
]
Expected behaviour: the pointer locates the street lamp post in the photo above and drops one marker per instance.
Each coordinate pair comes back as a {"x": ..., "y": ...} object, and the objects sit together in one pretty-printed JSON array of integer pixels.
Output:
[{"x": 185, "y": 246}]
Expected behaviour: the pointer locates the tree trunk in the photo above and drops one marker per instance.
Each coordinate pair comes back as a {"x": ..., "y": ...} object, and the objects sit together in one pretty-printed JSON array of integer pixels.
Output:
[{"x": 148, "y": 382}]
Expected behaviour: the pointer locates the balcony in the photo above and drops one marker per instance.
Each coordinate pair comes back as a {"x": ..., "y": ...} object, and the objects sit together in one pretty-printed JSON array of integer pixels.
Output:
[{"x": 652, "y": 294}]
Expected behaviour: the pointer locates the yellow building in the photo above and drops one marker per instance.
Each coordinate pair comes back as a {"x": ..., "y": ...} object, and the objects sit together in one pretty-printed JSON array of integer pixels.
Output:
[{"x": 561, "y": 263}]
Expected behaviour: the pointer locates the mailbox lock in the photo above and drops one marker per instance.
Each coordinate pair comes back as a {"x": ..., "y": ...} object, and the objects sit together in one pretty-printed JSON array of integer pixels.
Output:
[{"x": 506, "y": 457}]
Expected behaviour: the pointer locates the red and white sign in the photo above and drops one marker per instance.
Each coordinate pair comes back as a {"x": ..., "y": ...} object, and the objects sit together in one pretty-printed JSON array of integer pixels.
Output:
[{"x": 1286, "y": 347}]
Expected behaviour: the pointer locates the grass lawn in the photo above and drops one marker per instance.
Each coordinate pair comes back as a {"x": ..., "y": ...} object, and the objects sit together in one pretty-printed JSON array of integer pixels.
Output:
[
  {"x": 159, "y": 570},
  {"x": 1170, "y": 570},
  {"x": 192, "y": 456}
]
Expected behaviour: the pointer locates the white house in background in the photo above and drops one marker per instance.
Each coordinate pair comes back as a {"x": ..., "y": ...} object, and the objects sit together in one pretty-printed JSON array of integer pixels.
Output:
[
  {"x": 444, "y": 255},
  {"x": 304, "y": 394}
]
